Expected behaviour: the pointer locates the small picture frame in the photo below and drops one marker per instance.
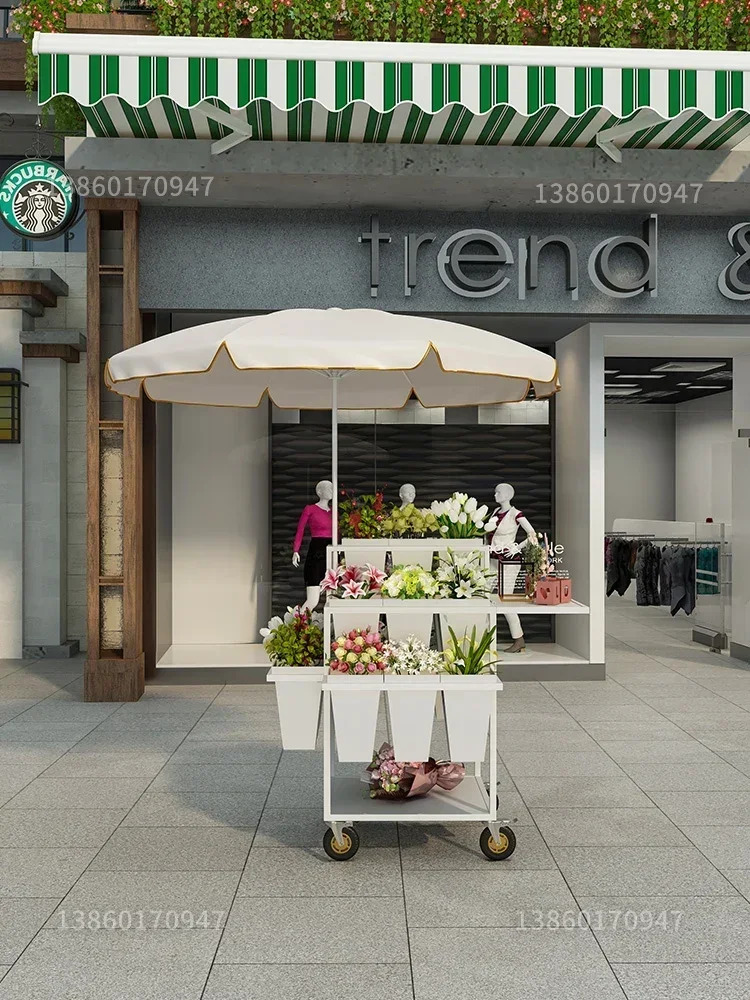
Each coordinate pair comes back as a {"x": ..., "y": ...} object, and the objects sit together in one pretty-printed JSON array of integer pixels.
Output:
[{"x": 515, "y": 580}]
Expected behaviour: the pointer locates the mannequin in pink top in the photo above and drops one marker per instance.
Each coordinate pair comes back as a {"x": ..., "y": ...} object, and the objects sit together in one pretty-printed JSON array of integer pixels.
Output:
[{"x": 317, "y": 517}]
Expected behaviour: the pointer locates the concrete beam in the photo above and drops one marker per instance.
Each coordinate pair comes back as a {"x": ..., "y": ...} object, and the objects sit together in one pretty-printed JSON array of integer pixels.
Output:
[{"x": 477, "y": 178}]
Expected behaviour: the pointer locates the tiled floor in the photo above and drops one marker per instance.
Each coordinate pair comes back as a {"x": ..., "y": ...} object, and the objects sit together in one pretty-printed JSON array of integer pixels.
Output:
[{"x": 633, "y": 804}]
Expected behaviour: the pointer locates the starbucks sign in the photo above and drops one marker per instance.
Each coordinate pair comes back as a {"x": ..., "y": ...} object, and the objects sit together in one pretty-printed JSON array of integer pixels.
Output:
[{"x": 38, "y": 200}]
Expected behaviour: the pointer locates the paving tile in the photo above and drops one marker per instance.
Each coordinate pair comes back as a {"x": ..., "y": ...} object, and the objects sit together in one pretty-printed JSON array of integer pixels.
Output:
[
  {"x": 36, "y": 755},
  {"x": 59, "y": 711},
  {"x": 671, "y": 981},
  {"x": 121, "y": 965},
  {"x": 510, "y": 962},
  {"x": 663, "y": 871},
  {"x": 288, "y": 792},
  {"x": 309, "y": 982},
  {"x": 705, "y": 808},
  {"x": 4, "y": 969},
  {"x": 314, "y": 931},
  {"x": 305, "y": 828},
  {"x": 174, "y": 849},
  {"x": 57, "y": 827},
  {"x": 724, "y": 846},
  {"x": 13, "y": 708},
  {"x": 537, "y": 721},
  {"x": 180, "y": 809},
  {"x": 152, "y": 723},
  {"x": 79, "y": 793},
  {"x": 552, "y": 764},
  {"x": 656, "y": 751},
  {"x": 38, "y": 873},
  {"x": 310, "y": 872},
  {"x": 107, "y": 765},
  {"x": 20, "y": 919},
  {"x": 696, "y": 705},
  {"x": 227, "y": 752},
  {"x": 215, "y": 777},
  {"x": 264, "y": 729},
  {"x": 688, "y": 776},
  {"x": 721, "y": 740},
  {"x": 624, "y": 715},
  {"x": 606, "y": 827},
  {"x": 696, "y": 929},
  {"x": 143, "y": 899},
  {"x": 740, "y": 879},
  {"x": 129, "y": 742},
  {"x": 653, "y": 731},
  {"x": 521, "y": 739},
  {"x": 560, "y": 793},
  {"x": 495, "y": 897},
  {"x": 739, "y": 759},
  {"x": 45, "y": 732},
  {"x": 455, "y": 847}
]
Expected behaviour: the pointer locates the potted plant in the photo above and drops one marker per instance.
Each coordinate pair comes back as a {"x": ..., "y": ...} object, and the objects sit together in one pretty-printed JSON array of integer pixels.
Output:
[
  {"x": 355, "y": 676},
  {"x": 411, "y": 691},
  {"x": 409, "y": 583},
  {"x": 351, "y": 583},
  {"x": 410, "y": 524},
  {"x": 361, "y": 518},
  {"x": 460, "y": 516},
  {"x": 294, "y": 645},
  {"x": 463, "y": 577},
  {"x": 469, "y": 687}
]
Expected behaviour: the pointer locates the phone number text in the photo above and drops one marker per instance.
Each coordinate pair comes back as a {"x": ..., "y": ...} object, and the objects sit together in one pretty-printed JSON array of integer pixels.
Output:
[
  {"x": 144, "y": 186},
  {"x": 619, "y": 193}
]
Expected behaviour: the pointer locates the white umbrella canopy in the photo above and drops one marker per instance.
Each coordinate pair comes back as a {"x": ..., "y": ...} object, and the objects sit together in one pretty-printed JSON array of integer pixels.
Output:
[
  {"x": 291, "y": 355},
  {"x": 333, "y": 359}
]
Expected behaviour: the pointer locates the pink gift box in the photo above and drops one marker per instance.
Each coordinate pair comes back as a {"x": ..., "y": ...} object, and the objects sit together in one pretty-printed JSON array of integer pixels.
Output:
[{"x": 548, "y": 590}]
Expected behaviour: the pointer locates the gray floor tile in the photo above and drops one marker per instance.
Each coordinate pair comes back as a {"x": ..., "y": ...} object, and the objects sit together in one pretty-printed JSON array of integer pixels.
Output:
[
  {"x": 258, "y": 731},
  {"x": 216, "y": 777},
  {"x": 152, "y": 723},
  {"x": 36, "y": 755},
  {"x": 291, "y": 931},
  {"x": 163, "y": 808},
  {"x": 5, "y": 969},
  {"x": 657, "y": 751},
  {"x": 286, "y": 792},
  {"x": 705, "y": 808},
  {"x": 634, "y": 732},
  {"x": 724, "y": 846},
  {"x": 684, "y": 982},
  {"x": 709, "y": 929},
  {"x": 174, "y": 849},
  {"x": 59, "y": 711},
  {"x": 553, "y": 764},
  {"x": 127, "y": 742},
  {"x": 722, "y": 740},
  {"x": 309, "y": 982},
  {"x": 623, "y": 715},
  {"x": 740, "y": 879},
  {"x": 107, "y": 765},
  {"x": 606, "y": 827},
  {"x": 455, "y": 847},
  {"x": 709, "y": 775},
  {"x": 79, "y": 793},
  {"x": 119, "y": 965},
  {"x": 585, "y": 792},
  {"x": 57, "y": 827},
  {"x": 305, "y": 828},
  {"x": 13, "y": 708},
  {"x": 739, "y": 759},
  {"x": 548, "y": 722},
  {"x": 45, "y": 732},
  {"x": 521, "y": 739},
  {"x": 20, "y": 919},
  {"x": 662, "y": 871},
  {"x": 495, "y": 897},
  {"x": 39, "y": 873},
  {"x": 509, "y": 962},
  {"x": 310, "y": 872},
  {"x": 199, "y": 899},
  {"x": 228, "y": 752}
]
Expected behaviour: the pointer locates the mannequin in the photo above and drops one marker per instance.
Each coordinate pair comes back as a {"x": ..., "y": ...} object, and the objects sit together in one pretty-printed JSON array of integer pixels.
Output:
[
  {"x": 318, "y": 518},
  {"x": 407, "y": 494},
  {"x": 508, "y": 550}
]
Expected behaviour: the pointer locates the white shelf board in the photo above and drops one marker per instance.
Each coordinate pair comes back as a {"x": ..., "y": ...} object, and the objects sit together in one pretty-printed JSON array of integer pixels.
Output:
[
  {"x": 350, "y": 802},
  {"x": 386, "y": 544},
  {"x": 227, "y": 654},
  {"x": 379, "y": 605},
  {"x": 544, "y": 653}
]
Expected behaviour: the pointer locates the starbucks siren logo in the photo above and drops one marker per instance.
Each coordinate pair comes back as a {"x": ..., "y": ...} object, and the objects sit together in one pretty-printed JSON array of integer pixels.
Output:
[{"x": 38, "y": 200}]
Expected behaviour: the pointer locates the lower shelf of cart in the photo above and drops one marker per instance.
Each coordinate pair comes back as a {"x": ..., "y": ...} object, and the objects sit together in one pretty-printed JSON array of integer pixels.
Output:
[{"x": 350, "y": 803}]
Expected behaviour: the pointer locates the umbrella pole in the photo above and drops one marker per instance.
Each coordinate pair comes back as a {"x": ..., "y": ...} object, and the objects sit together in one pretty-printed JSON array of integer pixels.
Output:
[{"x": 335, "y": 460}]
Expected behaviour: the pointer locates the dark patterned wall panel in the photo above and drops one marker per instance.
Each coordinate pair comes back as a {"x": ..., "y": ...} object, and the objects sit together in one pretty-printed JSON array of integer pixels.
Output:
[{"x": 438, "y": 459}]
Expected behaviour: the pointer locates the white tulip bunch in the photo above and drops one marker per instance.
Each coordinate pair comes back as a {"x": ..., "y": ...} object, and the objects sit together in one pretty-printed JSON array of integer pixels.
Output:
[{"x": 460, "y": 516}]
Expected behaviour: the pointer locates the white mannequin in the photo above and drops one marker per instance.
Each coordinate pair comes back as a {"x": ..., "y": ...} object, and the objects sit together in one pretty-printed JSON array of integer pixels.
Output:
[
  {"x": 324, "y": 491},
  {"x": 504, "y": 544},
  {"x": 407, "y": 494}
]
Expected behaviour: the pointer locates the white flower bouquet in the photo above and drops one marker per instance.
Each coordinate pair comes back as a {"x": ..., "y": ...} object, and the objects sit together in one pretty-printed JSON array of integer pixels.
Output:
[
  {"x": 463, "y": 576},
  {"x": 460, "y": 516},
  {"x": 412, "y": 657}
]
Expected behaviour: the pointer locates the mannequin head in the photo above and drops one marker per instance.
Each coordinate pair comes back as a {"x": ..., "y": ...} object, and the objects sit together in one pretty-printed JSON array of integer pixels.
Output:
[
  {"x": 407, "y": 494},
  {"x": 324, "y": 489},
  {"x": 504, "y": 493}
]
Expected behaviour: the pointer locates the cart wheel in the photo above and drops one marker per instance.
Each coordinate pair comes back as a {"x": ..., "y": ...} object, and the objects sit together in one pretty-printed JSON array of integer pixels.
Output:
[
  {"x": 341, "y": 851},
  {"x": 498, "y": 850}
]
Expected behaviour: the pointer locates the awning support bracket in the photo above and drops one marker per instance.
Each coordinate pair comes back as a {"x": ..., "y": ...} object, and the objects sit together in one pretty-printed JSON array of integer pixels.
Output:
[
  {"x": 241, "y": 128},
  {"x": 606, "y": 139}
]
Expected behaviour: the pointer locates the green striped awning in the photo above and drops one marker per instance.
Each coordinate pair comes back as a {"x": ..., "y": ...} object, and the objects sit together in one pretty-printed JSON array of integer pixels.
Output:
[{"x": 397, "y": 92}]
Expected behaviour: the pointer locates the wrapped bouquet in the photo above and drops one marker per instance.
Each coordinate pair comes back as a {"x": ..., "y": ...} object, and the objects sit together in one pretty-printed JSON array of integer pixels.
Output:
[{"x": 392, "y": 779}]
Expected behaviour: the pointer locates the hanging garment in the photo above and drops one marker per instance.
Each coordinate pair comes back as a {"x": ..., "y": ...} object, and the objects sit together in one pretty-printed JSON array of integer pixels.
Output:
[
  {"x": 665, "y": 583},
  {"x": 647, "y": 562},
  {"x": 618, "y": 568},
  {"x": 681, "y": 568}
]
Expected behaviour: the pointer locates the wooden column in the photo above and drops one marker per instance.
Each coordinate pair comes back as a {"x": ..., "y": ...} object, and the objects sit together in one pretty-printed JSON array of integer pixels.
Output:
[{"x": 115, "y": 665}]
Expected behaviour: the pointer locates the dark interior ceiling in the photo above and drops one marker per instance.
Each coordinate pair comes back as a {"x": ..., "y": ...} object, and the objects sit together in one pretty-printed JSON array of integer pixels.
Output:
[{"x": 645, "y": 381}]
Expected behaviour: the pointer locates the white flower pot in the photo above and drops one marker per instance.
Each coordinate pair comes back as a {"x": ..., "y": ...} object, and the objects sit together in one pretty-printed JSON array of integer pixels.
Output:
[
  {"x": 412, "y": 553},
  {"x": 356, "y": 701},
  {"x": 468, "y": 705},
  {"x": 412, "y": 712},
  {"x": 402, "y": 624},
  {"x": 360, "y": 614},
  {"x": 462, "y": 622},
  {"x": 361, "y": 555},
  {"x": 298, "y": 697}
]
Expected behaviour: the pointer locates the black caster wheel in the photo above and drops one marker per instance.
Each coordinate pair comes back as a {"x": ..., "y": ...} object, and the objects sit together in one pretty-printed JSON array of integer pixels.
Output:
[
  {"x": 341, "y": 850},
  {"x": 498, "y": 850}
]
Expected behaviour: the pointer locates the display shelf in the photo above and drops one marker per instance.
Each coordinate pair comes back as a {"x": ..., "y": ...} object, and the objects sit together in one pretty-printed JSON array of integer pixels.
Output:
[
  {"x": 543, "y": 653},
  {"x": 350, "y": 803},
  {"x": 437, "y": 605},
  {"x": 439, "y": 544}
]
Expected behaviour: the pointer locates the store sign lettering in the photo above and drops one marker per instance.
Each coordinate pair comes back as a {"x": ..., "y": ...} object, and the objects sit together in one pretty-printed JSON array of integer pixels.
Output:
[
  {"x": 474, "y": 263},
  {"x": 734, "y": 280}
]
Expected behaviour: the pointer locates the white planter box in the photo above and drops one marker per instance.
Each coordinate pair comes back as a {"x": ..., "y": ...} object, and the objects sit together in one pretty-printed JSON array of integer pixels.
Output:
[
  {"x": 402, "y": 624},
  {"x": 411, "y": 707},
  {"x": 299, "y": 693},
  {"x": 357, "y": 554},
  {"x": 462, "y": 622},
  {"x": 356, "y": 701},
  {"x": 468, "y": 706},
  {"x": 412, "y": 552},
  {"x": 359, "y": 613}
]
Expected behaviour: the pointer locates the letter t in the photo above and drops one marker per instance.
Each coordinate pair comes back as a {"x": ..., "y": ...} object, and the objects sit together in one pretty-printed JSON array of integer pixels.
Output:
[{"x": 374, "y": 238}]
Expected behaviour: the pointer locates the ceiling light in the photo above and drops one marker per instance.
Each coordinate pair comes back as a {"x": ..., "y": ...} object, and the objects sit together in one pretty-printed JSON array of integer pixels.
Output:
[
  {"x": 611, "y": 371},
  {"x": 622, "y": 390},
  {"x": 621, "y": 385},
  {"x": 694, "y": 385},
  {"x": 641, "y": 376},
  {"x": 689, "y": 366}
]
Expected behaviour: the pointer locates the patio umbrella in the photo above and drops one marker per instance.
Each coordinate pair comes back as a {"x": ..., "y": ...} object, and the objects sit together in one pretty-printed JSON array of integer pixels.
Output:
[{"x": 332, "y": 359}]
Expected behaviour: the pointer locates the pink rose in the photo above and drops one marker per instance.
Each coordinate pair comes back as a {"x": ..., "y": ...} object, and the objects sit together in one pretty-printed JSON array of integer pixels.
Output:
[
  {"x": 359, "y": 668},
  {"x": 349, "y": 644},
  {"x": 371, "y": 638},
  {"x": 371, "y": 667}
]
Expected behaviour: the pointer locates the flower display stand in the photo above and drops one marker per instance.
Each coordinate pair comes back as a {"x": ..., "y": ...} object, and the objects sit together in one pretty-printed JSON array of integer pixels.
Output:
[
  {"x": 420, "y": 551},
  {"x": 299, "y": 691},
  {"x": 411, "y": 710}
]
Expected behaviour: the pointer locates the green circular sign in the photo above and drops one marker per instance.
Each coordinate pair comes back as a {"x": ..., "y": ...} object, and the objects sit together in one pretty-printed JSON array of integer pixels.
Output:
[{"x": 38, "y": 200}]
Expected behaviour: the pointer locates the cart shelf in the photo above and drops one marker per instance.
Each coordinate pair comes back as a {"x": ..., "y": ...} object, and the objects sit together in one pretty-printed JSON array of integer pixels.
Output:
[{"x": 350, "y": 803}]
